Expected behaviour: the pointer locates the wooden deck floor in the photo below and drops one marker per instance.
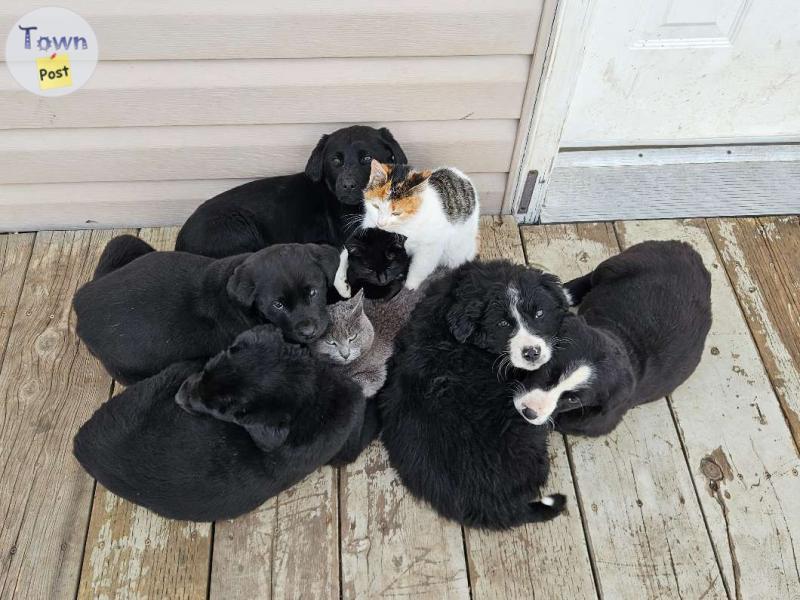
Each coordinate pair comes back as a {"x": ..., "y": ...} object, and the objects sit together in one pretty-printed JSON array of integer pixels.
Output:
[{"x": 694, "y": 496}]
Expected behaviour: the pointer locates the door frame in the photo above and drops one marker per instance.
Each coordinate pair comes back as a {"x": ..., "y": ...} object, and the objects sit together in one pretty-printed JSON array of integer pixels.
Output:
[{"x": 555, "y": 68}]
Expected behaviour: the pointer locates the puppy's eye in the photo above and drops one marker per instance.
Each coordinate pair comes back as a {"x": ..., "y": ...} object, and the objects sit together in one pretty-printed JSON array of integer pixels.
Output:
[
  {"x": 503, "y": 323},
  {"x": 336, "y": 161},
  {"x": 569, "y": 398},
  {"x": 366, "y": 159},
  {"x": 538, "y": 314},
  {"x": 278, "y": 305},
  {"x": 312, "y": 292}
]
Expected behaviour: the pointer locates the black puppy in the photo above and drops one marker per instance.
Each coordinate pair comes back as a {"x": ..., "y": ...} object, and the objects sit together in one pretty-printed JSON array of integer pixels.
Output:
[
  {"x": 322, "y": 205},
  {"x": 297, "y": 414},
  {"x": 377, "y": 263},
  {"x": 449, "y": 424},
  {"x": 165, "y": 307},
  {"x": 642, "y": 322}
]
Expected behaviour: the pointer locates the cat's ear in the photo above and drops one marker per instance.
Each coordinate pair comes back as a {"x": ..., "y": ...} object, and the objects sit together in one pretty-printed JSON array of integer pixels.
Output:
[
  {"x": 378, "y": 175},
  {"x": 357, "y": 302},
  {"x": 315, "y": 161},
  {"x": 398, "y": 156},
  {"x": 418, "y": 181}
]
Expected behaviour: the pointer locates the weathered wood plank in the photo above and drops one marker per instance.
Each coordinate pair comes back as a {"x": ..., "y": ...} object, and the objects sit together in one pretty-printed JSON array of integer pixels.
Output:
[
  {"x": 49, "y": 385},
  {"x": 738, "y": 445},
  {"x": 15, "y": 252},
  {"x": 134, "y": 553},
  {"x": 231, "y": 151},
  {"x": 645, "y": 526},
  {"x": 192, "y": 29},
  {"x": 545, "y": 560},
  {"x": 392, "y": 544},
  {"x": 248, "y": 92},
  {"x": 760, "y": 259},
  {"x": 102, "y": 204}
]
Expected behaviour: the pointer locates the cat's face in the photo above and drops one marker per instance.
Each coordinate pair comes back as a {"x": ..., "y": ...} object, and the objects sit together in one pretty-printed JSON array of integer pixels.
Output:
[
  {"x": 393, "y": 196},
  {"x": 377, "y": 258},
  {"x": 350, "y": 333}
]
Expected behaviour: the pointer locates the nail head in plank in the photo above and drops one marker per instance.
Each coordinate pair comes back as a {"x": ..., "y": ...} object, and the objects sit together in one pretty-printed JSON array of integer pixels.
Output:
[
  {"x": 739, "y": 447},
  {"x": 549, "y": 559},
  {"x": 645, "y": 526},
  {"x": 49, "y": 384}
]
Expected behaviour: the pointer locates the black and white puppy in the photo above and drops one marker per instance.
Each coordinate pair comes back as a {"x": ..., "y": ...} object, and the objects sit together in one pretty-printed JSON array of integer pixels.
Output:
[
  {"x": 165, "y": 307},
  {"x": 642, "y": 323},
  {"x": 449, "y": 424},
  {"x": 285, "y": 414},
  {"x": 323, "y": 205},
  {"x": 377, "y": 263}
]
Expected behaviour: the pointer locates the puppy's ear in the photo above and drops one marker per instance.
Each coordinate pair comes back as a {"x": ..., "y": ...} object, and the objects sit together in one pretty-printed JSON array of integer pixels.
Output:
[
  {"x": 316, "y": 160},
  {"x": 398, "y": 156},
  {"x": 241, "y": 286},
  {"x": 553, "y": 284},
  {"x": 327, "y": 257},
  {"x": 462, "y": 318},
  {"x": 267, "y": 437}
]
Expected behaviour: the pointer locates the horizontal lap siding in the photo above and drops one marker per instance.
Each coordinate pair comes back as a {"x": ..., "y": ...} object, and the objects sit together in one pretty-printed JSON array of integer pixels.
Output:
[{"x": 160, "y": 127}]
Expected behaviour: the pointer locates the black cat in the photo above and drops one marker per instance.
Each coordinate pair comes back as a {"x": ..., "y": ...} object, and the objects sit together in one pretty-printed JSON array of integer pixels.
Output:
[{"x": 377, "y": 263}]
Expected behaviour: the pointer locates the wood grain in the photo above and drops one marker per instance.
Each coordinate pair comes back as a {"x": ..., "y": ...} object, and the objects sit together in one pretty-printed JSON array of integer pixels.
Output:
[
  {"x": 545, "y": 560},
  {"x": 247, "y": 92},
  {"x": 761, "y": 259},
  {"x": 49, "y": 385},
  {"x": 646, "y": 528},
  {"x": 231, "y": 151},
  {"x": 134, "y": 553},
  {"x": 15, "y": 252},
  {"x": 737, "y": 442},
  {"x": 101, "y": 204},
  {"x": 192, "y": 29},
  {"x": 391, "y": 543}
]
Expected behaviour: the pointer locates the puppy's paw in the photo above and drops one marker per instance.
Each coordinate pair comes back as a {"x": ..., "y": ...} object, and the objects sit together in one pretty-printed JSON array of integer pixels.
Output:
[
  {"x": 340, "y": 282},
  {"x": 547, "y": 507}
]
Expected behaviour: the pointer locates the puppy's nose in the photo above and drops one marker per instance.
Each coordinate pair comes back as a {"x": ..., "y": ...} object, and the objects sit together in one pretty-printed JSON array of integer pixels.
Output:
[
  {"x": 348, "y": 185},
  {"x": 307, "y": 329},
  {"x": 529, "y": 413},
  {"x": 531, "y": 353}
]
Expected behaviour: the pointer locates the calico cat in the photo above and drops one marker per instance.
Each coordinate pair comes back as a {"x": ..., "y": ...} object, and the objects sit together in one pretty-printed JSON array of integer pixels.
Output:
[
  {"x": 437, "y": 211},
  {"x": 361, "y": 336},
  {"x": 378, "y": 263}
]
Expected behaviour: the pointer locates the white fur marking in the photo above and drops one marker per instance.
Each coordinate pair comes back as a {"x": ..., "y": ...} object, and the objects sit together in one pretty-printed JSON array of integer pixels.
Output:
[
  {"x": 340, "y": 281},
  {"x": 544, "y": 402},
  {"x": 547, "y": 500},
  {"x": 523, "y": 338}
]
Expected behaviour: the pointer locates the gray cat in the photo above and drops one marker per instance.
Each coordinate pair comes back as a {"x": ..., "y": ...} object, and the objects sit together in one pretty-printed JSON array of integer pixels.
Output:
[{"x": 361, "y": 336}]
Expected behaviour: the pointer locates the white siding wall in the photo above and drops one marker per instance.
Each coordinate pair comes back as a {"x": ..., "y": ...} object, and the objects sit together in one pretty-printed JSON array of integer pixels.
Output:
[{"x": 193, "y": 97}]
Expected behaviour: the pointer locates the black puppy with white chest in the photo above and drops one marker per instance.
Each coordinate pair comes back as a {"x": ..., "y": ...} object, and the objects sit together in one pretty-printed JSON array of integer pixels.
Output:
[
  {"x": 165, "y": 307},
  {"x": 322, "y": 205},
  {"x": 642, "y": 322},
  {"x": 449, "y": 423},
  {"x": 280, "y": 414}
]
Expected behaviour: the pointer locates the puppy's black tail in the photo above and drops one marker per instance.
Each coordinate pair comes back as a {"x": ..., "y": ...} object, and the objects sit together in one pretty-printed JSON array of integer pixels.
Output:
[
  {"x": 119, "y": 252},
  {"x": 578, "y": 288},
  {"x": 547, "y": 508}
]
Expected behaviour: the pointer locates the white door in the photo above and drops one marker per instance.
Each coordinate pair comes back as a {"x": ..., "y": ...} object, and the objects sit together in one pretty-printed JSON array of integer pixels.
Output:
[{"x": 680, "y": 72}]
